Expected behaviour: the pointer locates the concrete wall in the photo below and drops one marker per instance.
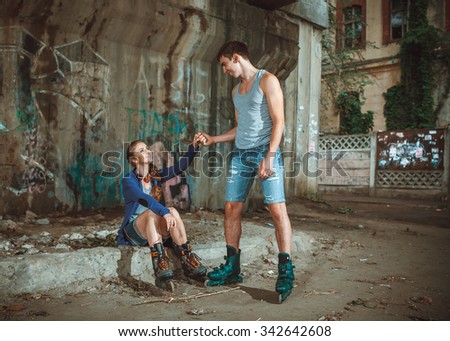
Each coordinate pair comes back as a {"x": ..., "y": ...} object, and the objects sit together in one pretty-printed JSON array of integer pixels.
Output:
[
  {"x": 80, "y": 79},
  {"x": 313, "y": 11},
  {"x": 352, "y": 170},
  {"x": 345, "y": 163}
]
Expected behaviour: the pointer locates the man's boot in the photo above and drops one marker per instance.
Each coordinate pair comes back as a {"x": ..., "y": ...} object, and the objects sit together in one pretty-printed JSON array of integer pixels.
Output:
[
  {"x": 229, "y": 272},
  {"x": 285, "y": 281}
]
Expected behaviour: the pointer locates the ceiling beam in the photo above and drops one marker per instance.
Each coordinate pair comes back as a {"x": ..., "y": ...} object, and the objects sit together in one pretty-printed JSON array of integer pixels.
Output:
[{"x": 270, "y": 4}]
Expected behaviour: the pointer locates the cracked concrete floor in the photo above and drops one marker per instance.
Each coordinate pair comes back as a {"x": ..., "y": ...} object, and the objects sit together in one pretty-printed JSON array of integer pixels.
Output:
[{"x": 369, "y": 260}]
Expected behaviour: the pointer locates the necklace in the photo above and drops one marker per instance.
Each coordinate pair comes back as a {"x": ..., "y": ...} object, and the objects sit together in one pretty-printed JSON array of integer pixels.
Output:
[{"x": 147, "y": 178}]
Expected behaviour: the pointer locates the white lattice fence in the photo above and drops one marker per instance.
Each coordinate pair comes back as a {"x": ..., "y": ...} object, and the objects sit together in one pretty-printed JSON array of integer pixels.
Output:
[
  {"x": 345, "y": 142},
  {"x": 409, "y": 179},
  {"x": 344, "y": 161},
  {"x": 349, "y": 163}
]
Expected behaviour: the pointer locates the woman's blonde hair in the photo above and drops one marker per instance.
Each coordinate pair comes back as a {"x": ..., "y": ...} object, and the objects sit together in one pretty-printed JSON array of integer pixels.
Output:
[{"x": 153, "y": 172}]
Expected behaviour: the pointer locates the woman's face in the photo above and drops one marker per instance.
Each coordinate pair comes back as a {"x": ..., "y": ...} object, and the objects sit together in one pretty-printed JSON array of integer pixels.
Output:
[{"x": 141, "y": 154}]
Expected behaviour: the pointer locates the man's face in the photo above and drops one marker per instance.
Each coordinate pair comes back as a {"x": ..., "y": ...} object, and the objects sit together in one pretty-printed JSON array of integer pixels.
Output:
[{"x": 229, "y": 67}]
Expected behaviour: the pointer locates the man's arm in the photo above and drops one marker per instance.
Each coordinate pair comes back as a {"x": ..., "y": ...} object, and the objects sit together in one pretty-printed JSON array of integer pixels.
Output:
[
  {"x": 270, "y": 86},
  {"x": 228, "y": 136},
  {"x": 272, "y": 89}
]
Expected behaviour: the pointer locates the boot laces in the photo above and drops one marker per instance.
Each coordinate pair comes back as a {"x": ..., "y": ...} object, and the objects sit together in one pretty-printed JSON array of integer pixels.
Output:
[
  {"x": 163, "y": 263},
  {"x": 193, "y": 260}
]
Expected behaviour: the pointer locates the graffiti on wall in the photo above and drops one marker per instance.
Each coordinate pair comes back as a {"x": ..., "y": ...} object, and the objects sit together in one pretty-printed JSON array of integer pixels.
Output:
[
  {"x": 411, "y": 150},
  {"x": 32, "y": 175},
  {"x": 173, "y": 128},
  {"x": 175, "y": 190},
  {"x": 55, "y": 82},
  {"x": 165, "y": 132},
  {"x": 62, "y": 104},
  {"x": 36, "y": 175},
  {"x": 88, "y": 75}
]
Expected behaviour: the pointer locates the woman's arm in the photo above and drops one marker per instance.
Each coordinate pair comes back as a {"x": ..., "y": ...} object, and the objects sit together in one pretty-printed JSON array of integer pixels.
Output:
[
  {"x": 182, "y": 164},
  {"x": 132, "y": 192}
]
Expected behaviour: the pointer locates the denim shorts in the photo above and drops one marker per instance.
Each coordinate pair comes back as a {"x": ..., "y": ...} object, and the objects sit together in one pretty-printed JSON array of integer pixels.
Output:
[
  {"x": 243, "y": 169},
  {"x": 132, "y": 233}
]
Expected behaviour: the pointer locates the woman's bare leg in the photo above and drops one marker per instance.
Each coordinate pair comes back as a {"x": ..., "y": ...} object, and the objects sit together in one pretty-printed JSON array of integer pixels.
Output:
[{"x": 147, "y": 223}]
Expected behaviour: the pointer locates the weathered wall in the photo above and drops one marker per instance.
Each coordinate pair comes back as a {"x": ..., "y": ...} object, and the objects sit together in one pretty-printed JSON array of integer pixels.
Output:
[
  {"x": 383, "y": 69},
  {"x": 314, "y": 11},
  {"x": 345, "y": 163},
  {"x": 80, "y": 79}
]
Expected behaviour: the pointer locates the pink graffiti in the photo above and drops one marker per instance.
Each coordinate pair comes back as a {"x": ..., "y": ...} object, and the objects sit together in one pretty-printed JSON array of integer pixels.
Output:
[{"x": 176, "y": 191}]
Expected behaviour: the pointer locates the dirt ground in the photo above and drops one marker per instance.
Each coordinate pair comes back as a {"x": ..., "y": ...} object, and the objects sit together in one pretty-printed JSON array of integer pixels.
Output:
[{"x": 371, "y": 260}]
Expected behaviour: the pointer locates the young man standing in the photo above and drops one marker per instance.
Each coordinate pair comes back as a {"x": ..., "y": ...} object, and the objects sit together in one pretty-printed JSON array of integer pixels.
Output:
[{"x": 259, "y": 111}]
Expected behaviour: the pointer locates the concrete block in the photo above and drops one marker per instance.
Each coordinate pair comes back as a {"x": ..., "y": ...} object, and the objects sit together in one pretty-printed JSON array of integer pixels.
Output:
[
  {"x": 81, "y": 270},
  {"x": 42, "y": 272}
]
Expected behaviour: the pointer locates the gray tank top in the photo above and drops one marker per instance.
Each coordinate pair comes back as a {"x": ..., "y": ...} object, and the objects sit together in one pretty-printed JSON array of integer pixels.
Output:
[{"x": 254, "y": 121}]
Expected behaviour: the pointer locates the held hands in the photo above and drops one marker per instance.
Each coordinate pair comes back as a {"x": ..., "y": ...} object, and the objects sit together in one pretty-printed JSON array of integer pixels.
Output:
[
  {"x": 203, "y": 139},
  {"x": 196, "y": 143}
]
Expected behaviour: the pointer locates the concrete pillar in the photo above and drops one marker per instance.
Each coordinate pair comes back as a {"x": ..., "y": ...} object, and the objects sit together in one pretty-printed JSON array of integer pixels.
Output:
[
  {"x": 373, "y": 164},
  {"x": 308, "y": 109},
  {"x": 446, "y": 174}
]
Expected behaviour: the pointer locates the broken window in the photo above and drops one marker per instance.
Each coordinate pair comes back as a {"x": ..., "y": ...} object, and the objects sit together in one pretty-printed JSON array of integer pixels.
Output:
[
  {"x": 353, "y": 26},
  {"x": 399, "y": 18}
]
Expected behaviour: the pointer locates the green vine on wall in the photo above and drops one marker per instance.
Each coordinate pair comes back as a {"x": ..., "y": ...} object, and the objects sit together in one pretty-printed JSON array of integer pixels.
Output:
[
  {"x": 343, "y": 77},
  {"x": 410, "y": 104},
  {"x": 353, "y": 120}
]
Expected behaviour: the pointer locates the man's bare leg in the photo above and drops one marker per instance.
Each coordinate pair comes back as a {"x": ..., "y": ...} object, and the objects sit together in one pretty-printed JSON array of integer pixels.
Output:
[
  {"x": 283, "y": 229},
  {"x": 233, "y": 228},
  {"x": 283, "y": 233},
  {"x": 229, "y": 272}
]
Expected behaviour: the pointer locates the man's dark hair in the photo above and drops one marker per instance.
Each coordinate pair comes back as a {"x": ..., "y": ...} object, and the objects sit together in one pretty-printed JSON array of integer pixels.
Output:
[{"x": 232, "y": 47}]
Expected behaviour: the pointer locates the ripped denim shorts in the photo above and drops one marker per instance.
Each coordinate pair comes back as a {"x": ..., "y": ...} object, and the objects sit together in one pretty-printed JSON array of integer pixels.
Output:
[{"x": 243, "y": 169}]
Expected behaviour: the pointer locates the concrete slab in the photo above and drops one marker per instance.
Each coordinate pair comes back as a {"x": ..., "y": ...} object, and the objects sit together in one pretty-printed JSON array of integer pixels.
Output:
[
  {"x": 84, "y": 269},
  {"x": 42, "y": 272}
]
